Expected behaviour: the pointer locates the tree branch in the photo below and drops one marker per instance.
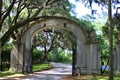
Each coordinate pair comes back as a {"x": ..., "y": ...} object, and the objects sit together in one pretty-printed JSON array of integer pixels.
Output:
[
  {"x": 1, "y": 14},
  {"x": 19, "y": 9},
  {"x": 1, "y": 8},
  {"x": 7, "y": 13},
  {"x": 51, "y": 45},
  {"x": 41, "y": 8},
  {"x": 24, "y": 22},
  {"x": 15, "y": 27}
]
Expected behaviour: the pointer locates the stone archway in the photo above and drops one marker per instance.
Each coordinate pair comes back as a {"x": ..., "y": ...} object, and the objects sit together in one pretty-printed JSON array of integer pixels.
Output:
[{"x": 87, "y": 59}]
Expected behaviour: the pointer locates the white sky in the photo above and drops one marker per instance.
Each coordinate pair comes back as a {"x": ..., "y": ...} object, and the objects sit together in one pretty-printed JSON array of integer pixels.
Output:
[{"x": 81, "y": 10}]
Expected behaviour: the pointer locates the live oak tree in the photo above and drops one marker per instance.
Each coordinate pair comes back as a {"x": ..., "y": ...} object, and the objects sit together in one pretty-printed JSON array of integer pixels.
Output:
[
  {"x": 15, "y": 16},
  {"x": 20, "y": 12},
  {"x": 108, "y": 5},
  {"x": 53, "y": 38}
]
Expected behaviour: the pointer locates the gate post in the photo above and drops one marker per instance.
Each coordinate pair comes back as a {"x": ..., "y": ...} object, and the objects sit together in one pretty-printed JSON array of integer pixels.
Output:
[
  {"x": 117, "y": 58},
  {"x": 94, "y": 64},
  {"x": 27, "y": 62},
  {"x": 16, "y": 63},
  {"x": 93, "y": 56},
  {"x": 0, "y": 57},
  {"x": 73, "y": 61}
]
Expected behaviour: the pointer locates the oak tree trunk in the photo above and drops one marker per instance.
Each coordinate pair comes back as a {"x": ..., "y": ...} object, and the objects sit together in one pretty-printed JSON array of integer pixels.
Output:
[{"x": 110, "y": 40}]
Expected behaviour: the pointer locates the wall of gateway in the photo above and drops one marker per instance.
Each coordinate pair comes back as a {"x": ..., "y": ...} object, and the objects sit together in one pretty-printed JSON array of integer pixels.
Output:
[
  {"x": 87, "y": 60},
  {"x": 116, "y": 58}
]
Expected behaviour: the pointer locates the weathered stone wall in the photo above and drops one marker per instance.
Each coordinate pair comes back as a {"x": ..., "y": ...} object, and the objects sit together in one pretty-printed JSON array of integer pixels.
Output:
[
  {"x": 90, "y": 59},
  {"x": 49, "y": 23},
  {"x": 94, "y": 59},
  {"x": 16, "y": 62},
  {"x": 87, "y": 57},
  {"x": 117, "y": 58}
]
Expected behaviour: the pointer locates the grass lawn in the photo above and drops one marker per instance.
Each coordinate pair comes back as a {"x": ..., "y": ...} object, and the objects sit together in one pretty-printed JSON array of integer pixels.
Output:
[
  {"x": 36, "y": 67},
  {"x": 95, "y": 77},
  {"x": 7, "y": 73},
  {"x": 90, "y": 77},
  {"x": 39, "y": 67}
]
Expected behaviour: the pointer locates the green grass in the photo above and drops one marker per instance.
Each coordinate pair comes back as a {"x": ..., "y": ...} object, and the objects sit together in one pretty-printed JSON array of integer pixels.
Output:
[
  {"x": 105, "y": 78},
  {"x": 99, "y": 78},
  {"x": 39, "y": 67},
  {"x": 36, "y": 67},
  {"x": 96, "y": 77},
  {"x": 7, "y": 73}
]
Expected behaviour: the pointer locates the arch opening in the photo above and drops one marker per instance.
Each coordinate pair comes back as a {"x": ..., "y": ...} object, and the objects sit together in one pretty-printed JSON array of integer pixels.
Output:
[{"x": 54, "y": 45}]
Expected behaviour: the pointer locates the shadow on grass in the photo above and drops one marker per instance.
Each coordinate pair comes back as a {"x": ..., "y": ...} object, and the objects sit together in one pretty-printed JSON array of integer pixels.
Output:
[{"x": 96, "y": 77}]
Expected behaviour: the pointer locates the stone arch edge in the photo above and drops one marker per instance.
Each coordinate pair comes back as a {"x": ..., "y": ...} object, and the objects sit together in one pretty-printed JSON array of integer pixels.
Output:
[{"x": 45, "y": 18}]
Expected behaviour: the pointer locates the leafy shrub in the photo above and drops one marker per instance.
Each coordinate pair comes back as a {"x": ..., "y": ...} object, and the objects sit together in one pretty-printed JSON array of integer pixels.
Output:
[
  {"x": 60, "y": 56},
  {"x": 6, "y": 56},
  {"x": 37, "y": 54}
]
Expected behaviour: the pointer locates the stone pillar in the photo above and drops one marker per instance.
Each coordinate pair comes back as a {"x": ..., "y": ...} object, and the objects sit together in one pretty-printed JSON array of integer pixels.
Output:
[
  {"x": 93, "y": 58},
  {"x": 27, "y": 66},
  {"x": 80, "y": 57},
  {"x": 94, "y": 63},
  {"x": 117, "y": 58},
  {"x": 0, "y": 57},
  {"x": 88, "y": 59},
  {"x": 16, "y": 63}
]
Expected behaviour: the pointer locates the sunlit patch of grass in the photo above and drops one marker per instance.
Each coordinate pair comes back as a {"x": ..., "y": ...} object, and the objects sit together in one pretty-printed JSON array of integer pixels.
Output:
[
  {"x": 7, "y": 73},
  {"x": 116, "y": 77},
  {"x": 39, "y": 67},
  {"x": 36, "y": 67},
  {"x": 100, "y": 78}
]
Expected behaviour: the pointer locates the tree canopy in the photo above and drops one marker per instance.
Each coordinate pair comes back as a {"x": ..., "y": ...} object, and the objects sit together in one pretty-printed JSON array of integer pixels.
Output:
[{"x": 15, "y": 14}]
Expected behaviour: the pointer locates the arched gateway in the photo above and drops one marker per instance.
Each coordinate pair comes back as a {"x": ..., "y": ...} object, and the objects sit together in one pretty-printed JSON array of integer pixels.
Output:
[{"x": 87, "y": 59}]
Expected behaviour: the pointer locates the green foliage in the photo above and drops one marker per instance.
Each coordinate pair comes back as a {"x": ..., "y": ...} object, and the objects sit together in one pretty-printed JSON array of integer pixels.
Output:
[
  {"x": 61, "y": 8},
  {"x": 105, "y": 30},
  {"x": 7, "y": 47},
  {"x": 51, "y": 57},
  {"x": 7, "y": 73},
  {"x": 6, "y": 56},
  {"x": 95, "y": 77},
  {"x": 116, "y": 27},
  {"x": 103, "y": 46},
  {"x": 36, "y": 67},
  {"x": 52, "y": 40},
  {"x": 22, "y": 12},
  {"x": 59, "y": 56},
  {"x": 85, "y": 24},
  {"x": 37, "y": 54}
]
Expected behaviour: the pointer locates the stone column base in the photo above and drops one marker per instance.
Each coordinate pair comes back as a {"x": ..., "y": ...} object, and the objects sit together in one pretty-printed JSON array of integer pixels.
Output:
[{"x": 16, "y": 62}]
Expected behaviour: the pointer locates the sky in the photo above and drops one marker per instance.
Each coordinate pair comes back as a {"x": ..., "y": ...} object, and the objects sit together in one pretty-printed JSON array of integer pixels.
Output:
[
  {"x": 101, "y": 14},
  {"x": 81, "y": 10}
]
